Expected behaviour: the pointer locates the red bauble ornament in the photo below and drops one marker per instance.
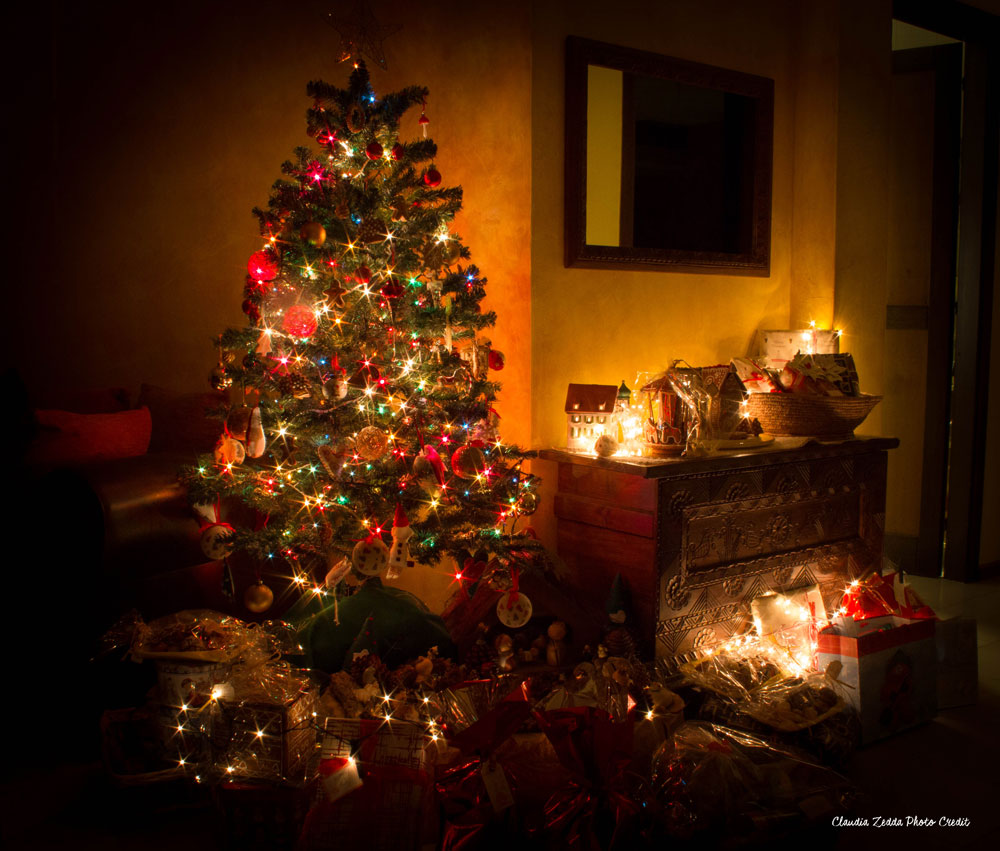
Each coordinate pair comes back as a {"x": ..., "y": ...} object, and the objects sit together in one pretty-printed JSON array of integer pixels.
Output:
[
  {"x": 363, "y": 274},
  {"x": 496, "y": 360},
  {"x": 432, "y": 177},
  {"x": 251, "y": 309},
  {"x": 299, "y": 321},
  {"x": 262, "y": 266},
  {"x": 374, "y": 151},
  {"x": 397, "y": 151},
  {"x": 393, "y": 289},
  {"x": 468, "y": 461}
]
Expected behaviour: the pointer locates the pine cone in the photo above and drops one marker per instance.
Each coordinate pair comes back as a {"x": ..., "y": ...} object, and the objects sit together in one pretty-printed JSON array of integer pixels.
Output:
[
  {"x": 372, "y": 230},
  {"x": 295, "y": 385},
  {"x": 620, "y": 642}
]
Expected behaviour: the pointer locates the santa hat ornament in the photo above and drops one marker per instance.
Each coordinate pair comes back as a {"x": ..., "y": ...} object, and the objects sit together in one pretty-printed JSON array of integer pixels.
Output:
[
  {"x": 428, "y": 468},
  {"x": 399, "y": 552}
]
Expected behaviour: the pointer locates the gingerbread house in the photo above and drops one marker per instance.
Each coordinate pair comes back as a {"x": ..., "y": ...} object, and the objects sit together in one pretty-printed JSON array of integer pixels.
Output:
[{"x": 590, "y": 410}]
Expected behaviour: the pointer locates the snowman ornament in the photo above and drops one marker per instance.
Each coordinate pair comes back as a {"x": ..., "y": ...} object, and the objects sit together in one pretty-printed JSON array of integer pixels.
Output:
[{"x": 399, "y": 552}]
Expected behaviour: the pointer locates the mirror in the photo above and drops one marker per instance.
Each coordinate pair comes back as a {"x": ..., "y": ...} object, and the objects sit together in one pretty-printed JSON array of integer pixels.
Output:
[{"x": 668, "y": 163}]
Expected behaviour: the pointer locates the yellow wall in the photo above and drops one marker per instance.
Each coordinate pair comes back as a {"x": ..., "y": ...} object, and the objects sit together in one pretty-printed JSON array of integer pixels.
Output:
[
  {"x": 814, "y": 163},
  {"x": 864, "y": 68},
  {"x": 602, "y": 326}
]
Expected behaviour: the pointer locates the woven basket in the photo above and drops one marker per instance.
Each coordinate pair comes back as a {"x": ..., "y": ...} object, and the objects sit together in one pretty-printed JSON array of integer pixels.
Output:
[{"x": 806, "y": 415}]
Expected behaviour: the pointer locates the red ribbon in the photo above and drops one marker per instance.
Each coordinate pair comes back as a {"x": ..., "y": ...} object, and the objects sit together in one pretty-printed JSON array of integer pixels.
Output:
[
  {"x": 515, "y": 579},
  {"x": 597, "y": 751},
  {"x": 875, "y": 597},
  {"x": 466, "y": 803}
]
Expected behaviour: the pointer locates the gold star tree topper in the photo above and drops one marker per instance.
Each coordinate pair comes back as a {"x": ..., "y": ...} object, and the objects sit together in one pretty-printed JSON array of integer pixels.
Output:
[{"x": 361, "y": 35}]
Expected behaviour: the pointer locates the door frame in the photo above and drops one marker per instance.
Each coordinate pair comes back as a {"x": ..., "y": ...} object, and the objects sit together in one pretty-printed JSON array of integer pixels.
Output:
[
  {"x": 926, "y": 550},
  {"x": 974, "y": 269}
]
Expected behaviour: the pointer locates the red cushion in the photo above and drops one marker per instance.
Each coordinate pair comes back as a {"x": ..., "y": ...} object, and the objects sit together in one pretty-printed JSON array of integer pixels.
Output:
[
  {"x": 68, "y": 438},
  {"x": 104, "y": 400}
]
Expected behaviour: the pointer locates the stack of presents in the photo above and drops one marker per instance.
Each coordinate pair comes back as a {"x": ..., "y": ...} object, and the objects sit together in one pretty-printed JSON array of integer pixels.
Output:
[{"x": 495, "y": 737}]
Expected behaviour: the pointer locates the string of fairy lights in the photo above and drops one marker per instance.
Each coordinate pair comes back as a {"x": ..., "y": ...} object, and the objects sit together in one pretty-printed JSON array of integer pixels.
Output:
[
  {"x": 362, "y": 364},
  {"x": 429, "y": 728}
]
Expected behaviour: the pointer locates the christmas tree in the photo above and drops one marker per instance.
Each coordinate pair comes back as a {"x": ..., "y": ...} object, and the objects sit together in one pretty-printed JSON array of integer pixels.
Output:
[{"x": 363, "y": 385}]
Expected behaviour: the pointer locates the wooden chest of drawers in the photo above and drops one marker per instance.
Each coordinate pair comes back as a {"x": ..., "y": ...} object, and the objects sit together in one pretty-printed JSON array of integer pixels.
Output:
[{"x": 697, "y": 539}]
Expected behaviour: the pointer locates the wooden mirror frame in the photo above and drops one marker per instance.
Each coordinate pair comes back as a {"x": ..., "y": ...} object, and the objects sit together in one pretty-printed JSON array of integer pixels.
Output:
[{"x": 580, "y": 53}]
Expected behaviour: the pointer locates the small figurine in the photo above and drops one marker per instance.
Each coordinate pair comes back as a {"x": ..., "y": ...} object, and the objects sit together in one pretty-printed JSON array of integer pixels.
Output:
[
  {"x": 618, "y": 639},
  {"x": 506, "y": 658},
  {"x": 424, "y": 665},
  {"x": 399, "y": 552}
]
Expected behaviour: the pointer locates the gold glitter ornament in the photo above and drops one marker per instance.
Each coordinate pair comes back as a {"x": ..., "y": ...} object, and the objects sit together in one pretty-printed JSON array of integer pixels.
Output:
[
  {"x": 314, "y": 233},
  {"x": 258, "y": 597},
  {"x": 371, "y": 443}
]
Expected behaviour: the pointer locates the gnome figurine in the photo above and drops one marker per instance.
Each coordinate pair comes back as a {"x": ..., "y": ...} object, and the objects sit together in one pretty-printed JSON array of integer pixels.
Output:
[
  {"x": 399, "y": 552},
  {"x": 618, "y": 638}
]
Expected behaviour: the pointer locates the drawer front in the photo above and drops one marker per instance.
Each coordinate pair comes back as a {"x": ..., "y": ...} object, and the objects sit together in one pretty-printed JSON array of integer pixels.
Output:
[{"x": 726, "y": 538}]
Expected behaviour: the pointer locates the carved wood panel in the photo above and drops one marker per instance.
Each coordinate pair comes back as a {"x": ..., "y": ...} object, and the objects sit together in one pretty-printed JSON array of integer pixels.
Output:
[
  {"x": 791, "y": 525},
  {"x": 697, "y": 539}
]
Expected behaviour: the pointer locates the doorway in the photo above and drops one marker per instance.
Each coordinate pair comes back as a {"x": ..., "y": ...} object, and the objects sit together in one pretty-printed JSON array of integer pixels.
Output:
[
  {"x": 925, "y": 122},
  {"x": 942, "y": 234}
]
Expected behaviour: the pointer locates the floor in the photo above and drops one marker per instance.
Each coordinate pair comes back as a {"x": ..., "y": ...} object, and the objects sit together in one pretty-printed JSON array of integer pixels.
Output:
[{"x": 947, "y": 767}]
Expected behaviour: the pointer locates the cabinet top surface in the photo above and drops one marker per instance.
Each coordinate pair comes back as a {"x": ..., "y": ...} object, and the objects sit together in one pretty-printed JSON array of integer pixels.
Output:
[{"x": 783, "y": 450}]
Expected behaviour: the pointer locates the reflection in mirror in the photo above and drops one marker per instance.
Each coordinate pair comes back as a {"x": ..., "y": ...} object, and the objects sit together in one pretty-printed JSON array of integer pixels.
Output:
[
  {"x": 650, "y": 140},
  {"x": 668, "y": 162}
]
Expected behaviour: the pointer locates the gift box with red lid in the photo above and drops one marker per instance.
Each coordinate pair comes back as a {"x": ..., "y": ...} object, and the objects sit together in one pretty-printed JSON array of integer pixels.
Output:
[{"x": 889, "y": 665}]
